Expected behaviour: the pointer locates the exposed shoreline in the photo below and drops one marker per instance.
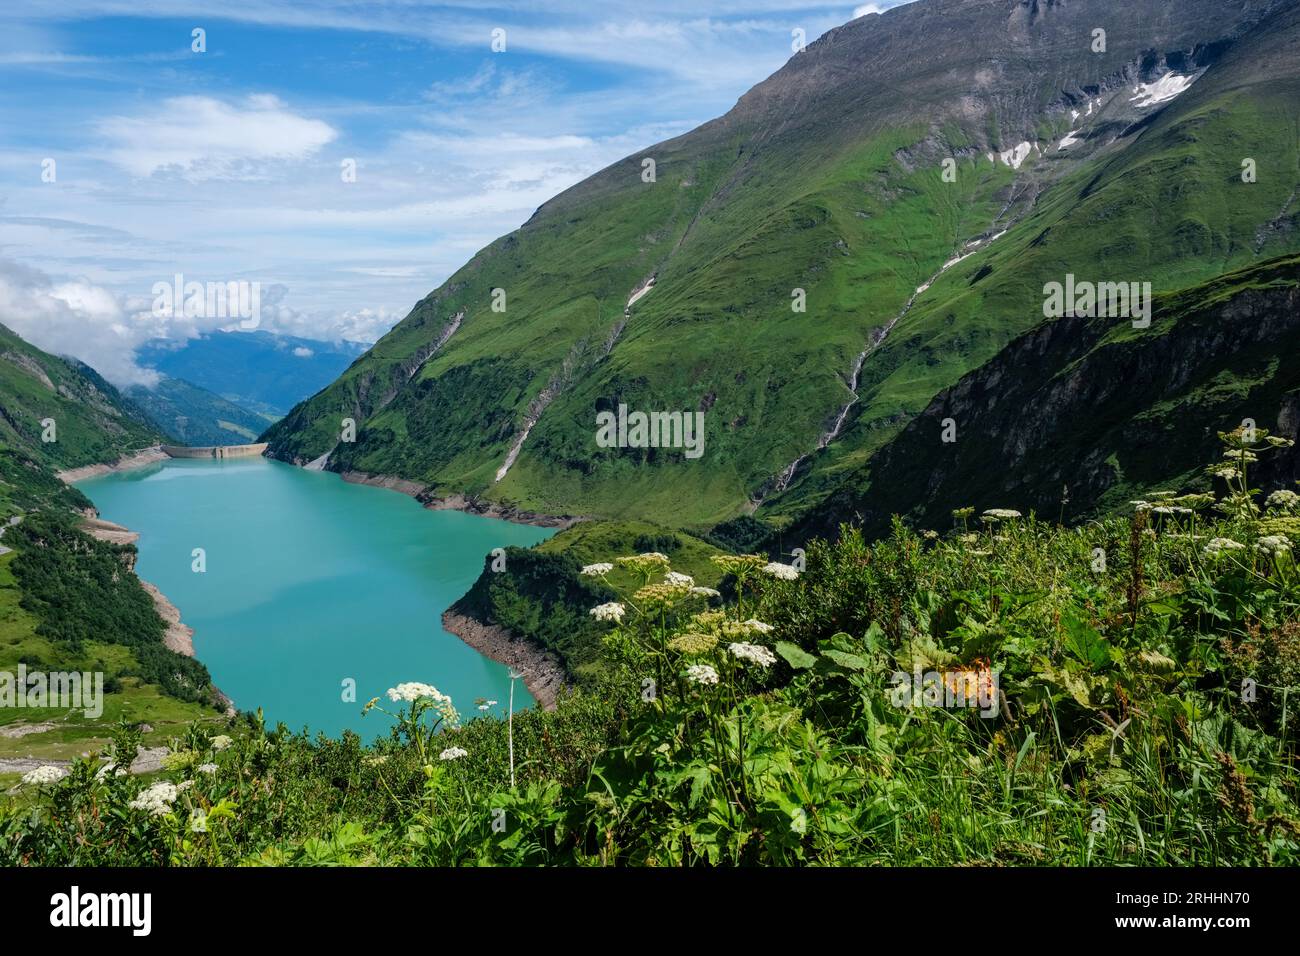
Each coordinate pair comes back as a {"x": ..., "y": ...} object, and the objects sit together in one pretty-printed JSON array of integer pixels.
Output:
[
  {"x": 458, "y": 502},
  {"x": 178, "y": 637},
  {"x": 138, "y": 459},
  {"x": 542, "y": 671}
]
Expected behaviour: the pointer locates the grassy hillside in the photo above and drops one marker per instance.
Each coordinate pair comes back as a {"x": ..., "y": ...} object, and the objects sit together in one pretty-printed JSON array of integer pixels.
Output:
[
  {"x": 92, "y": 421},
  {"x": 828, "y": 178},
  {"x": 67, "y": 601},
  {"x": 1081, "y": 415},
  {"x": 1164, "y": 202},
  {"x": 194, "y": 416}
]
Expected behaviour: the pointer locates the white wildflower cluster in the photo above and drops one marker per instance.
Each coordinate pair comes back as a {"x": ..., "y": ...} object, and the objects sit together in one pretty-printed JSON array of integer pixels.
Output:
[
  {"x": 677, "y": 579},
  {"x": 453, "y": 753},
  {"x": 754, "y": 653},
  {"x": 758, "y": 627},
  {"x": 705, "y": 592},
  {"x": 783, "y": 572},
  {"x": 221, "y": 742},
  {"x": 613, "y": 611},
  {"x": 156, "y": 799},
  {"x": 597, "y": 569},
  {"x": 1273, "y": 545},
  {"x": 44, "y": 775},
  {"x": 199, "y": 821},
  {"x": 701, "y": 674},
  {"x": 206, "y": 768},
  {"x": 1287, "y": 501},
  {"x": 1218, "y": 546},
  {"x": 413, "y": 691},
  {"x": 1000, "y": 514}
]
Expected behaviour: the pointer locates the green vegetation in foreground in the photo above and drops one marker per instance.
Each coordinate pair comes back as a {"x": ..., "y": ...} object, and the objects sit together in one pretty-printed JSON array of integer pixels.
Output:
[{"x": 1124, "y": 734}]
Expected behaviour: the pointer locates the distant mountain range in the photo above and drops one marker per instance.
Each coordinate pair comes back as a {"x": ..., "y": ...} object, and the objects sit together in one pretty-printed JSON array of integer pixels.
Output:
[
  {"x": 819, "y": 267},
  {"x": 194, "y": 416},
  {"x": 260, "y": 371}
]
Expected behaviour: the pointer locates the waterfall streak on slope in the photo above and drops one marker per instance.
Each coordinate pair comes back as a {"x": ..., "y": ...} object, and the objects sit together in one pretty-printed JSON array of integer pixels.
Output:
[
  {"x": 877, "y": 339},
  {"x": 563, "y": 378}
]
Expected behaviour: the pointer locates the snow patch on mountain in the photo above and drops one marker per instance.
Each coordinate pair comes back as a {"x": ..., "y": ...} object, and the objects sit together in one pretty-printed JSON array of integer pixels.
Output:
[
  {"x": 1161, "y": 91},
  {"x": 1014, "y": 157}
]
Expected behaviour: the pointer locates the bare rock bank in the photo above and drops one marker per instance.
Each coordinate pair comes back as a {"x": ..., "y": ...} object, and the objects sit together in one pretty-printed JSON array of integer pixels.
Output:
[
  {"x": 542, "y": 671},
  {"x": 458, "y": 502},
  {"x": 145, "y": 456}
]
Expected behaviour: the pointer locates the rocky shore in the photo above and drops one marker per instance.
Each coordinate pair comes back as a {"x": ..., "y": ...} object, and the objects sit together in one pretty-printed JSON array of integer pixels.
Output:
[
  {"x": 542, "y": 671},
  {"x": 178, "y": 637},
  {"x": 145, "y": 456},
  {"x": 458, "y": 502}
]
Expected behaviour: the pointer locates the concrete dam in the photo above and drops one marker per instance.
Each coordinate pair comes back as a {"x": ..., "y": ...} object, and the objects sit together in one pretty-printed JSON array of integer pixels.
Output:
[{"x": 214, "y": 451}]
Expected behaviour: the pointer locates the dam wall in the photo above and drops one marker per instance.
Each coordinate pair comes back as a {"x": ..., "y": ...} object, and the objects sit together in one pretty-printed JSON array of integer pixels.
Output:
[{"x": 215, "y": 451}]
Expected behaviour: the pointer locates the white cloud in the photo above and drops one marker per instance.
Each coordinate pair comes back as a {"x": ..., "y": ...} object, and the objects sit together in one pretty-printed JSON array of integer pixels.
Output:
[
  {"x": 75, "y": 318},
  {"x": 200, "y": 138},
  {"x": 78, "y": 318}
]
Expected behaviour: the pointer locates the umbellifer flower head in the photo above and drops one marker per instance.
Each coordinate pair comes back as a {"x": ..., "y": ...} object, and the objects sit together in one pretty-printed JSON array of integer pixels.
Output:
[
  {"x": 783, "y": 572},
  {"x": 44, "y": 775},
  {"x": 597, "y": 569},
  {"x": 693, "y": 643},
  {"x": 613, "y": 611},
  {"x": 754, "y": 653},
  {"x": 738, "y": 564},
  {"x": 156, "y": 799},
  {"x": 1283, "y": 500},
  {"x": 413, "y": 691},
  {"x": 701, "y": 674},
  {"x": 1273, "y": 545},
  {"x": 453, "y": 753},
  {"x": 1218, "y": 546}
]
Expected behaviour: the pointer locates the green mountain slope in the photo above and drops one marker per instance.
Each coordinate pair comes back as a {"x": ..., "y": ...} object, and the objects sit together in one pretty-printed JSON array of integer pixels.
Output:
[
  {"x": 828, "y": 178},
  {"x": 92, "y": 421},
  {"x": 1097, "y": 407},
  {"x": 196, "y": 416},
  {"x": 69, "y": 602}
]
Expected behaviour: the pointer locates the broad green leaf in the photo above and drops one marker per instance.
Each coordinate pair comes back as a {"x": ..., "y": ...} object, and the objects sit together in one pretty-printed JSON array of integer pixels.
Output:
[{"x": 796, "y": 657}]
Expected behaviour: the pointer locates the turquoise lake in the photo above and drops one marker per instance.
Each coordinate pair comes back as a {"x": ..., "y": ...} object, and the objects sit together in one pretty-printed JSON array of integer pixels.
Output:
[{"x": 311, "y": 581}]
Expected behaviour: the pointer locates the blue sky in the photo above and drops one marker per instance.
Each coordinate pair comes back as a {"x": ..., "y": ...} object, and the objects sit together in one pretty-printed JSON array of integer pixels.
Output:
[{"x": 226, "y": 164}]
